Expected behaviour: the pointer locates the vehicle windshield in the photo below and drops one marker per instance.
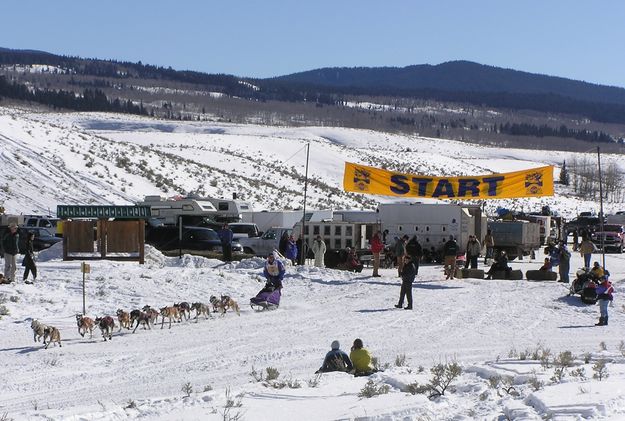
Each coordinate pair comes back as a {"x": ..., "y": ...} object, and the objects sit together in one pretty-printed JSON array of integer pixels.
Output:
[
  {"x": 242, "y": 229},
  {"x": 204, "y": 234}
]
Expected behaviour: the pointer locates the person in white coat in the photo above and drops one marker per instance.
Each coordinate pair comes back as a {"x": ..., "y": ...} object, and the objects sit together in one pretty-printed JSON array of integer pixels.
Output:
[{"x": 319, "y": 250}]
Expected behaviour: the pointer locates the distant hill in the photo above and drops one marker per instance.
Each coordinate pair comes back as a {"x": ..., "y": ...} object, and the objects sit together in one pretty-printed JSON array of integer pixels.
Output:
[
  {"x": 89, "y": 84},
  {"x": 458, "y": 76}
]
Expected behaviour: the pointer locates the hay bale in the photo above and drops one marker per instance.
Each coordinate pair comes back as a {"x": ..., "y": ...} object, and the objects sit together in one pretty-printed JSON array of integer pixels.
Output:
[{"x": 541, "y": 275}]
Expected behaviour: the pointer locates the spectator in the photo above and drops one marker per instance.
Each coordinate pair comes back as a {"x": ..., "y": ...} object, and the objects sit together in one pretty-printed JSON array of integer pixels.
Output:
[
  {"x": 407, "y": 278},
  {"x": 489, "y": 243},
  {"x": 29, "y": 259},
  {"x": 335, "y": 360},
  {"x": 415, "y": 251},
  {"x": 376, "y": 248},
  {"x": 361, "y": 359},
  {"x": 473, "y": 252},
  {"x": 500, "y": 265},
  {"x": 450, "y": 253},
  {"x": 604, "y": 296},
  {"x": 546, "y": 265},
  {"x": 565, "y": 263},
  {"x": 10, "y": 246},
  {"x": 291, "y": 250},
  {"x": 400, "y": 252},
  {"x": 226, "y": 236},
  {"x": 586, "y": 249},
  {"x": 319, "y": 250}
]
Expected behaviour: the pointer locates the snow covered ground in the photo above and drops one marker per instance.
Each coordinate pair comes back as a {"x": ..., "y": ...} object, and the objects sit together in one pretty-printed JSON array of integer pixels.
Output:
[{"x": 490, "y": 328}]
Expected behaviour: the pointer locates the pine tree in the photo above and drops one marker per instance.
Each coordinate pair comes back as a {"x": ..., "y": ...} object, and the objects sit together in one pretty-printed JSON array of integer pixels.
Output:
[{"x": 564, "y": 175}]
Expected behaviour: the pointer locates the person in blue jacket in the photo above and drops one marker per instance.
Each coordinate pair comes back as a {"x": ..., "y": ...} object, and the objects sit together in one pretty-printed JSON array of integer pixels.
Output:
[
  {"x": 226, "y": 235},
  {"x": 291, "y": 250},
  {"x": 274, "y": 272},
  {"x": 336, "y": 360}
]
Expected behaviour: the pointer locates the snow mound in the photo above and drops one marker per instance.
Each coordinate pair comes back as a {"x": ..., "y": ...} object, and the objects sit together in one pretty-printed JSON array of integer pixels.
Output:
[{"x": 52, "y": 253}]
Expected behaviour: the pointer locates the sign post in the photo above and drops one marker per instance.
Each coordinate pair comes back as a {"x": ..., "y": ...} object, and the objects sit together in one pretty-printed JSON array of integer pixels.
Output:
[{"x": 85, "y": 268}]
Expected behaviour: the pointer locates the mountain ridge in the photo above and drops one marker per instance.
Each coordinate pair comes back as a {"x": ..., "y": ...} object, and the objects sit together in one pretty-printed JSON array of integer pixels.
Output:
[{"x": 458, "y": 75}]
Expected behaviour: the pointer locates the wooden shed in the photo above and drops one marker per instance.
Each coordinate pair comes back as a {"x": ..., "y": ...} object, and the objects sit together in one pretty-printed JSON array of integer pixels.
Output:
[{"x": 103, "y": 232}]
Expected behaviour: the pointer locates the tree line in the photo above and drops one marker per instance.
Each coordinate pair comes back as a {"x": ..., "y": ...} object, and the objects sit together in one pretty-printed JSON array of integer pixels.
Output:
[{"x": 90, "y": 100}]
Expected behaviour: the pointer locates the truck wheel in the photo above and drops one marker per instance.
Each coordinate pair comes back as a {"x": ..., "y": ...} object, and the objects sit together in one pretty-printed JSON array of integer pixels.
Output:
[{"x": 248, "y": 250}]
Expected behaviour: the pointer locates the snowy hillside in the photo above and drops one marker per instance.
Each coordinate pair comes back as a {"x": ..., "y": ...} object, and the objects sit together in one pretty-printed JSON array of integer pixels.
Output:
[{"x": 49, "y": 159}]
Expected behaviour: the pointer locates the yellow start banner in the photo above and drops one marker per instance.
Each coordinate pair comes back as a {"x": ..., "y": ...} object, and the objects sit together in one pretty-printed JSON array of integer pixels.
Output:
[{"x": 527, "y": 183}]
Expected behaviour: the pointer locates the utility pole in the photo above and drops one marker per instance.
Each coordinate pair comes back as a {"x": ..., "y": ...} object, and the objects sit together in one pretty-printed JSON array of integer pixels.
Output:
[
  {"x": 304, "y": 244},
  {"x": 602, "y": 239}
]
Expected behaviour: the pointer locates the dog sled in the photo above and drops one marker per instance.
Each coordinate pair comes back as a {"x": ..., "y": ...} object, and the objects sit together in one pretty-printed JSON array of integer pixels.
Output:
[
  {"x": 584, "y": 285},
  {"x": 266, "y": 299}
]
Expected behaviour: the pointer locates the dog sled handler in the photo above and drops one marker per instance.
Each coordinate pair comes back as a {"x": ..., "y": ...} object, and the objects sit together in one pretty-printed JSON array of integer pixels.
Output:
[{"x": 268, "y": 298}]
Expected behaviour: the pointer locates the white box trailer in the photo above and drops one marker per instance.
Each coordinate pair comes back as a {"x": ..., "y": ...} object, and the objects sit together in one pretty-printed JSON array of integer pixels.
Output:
[
  {"x": 168, "y": 211},
  {"x": 344, "y": 229},
  {"x": 268, "y": 219},
  {"x": 433, "y": 224}
]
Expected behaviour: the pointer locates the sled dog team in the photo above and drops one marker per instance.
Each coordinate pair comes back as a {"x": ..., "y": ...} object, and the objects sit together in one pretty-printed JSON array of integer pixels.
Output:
[{"x": 146, "y": 317}]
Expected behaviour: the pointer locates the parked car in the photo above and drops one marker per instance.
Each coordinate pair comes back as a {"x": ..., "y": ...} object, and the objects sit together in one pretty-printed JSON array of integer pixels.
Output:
[
  {"x": 43, "y": 239},
  {"x": 612, "y": 236},
  {"x": 193, "y": 238}
]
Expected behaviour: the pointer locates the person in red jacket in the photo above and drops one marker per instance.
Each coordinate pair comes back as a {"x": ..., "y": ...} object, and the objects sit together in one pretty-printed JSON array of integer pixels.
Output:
[{"x": 376, "y": 248}]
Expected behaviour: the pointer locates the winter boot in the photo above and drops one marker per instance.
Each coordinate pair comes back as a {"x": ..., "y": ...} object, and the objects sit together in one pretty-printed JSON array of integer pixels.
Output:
[
  {"x": 605, "y": 321},
  {"x": 600, "y": 322}
]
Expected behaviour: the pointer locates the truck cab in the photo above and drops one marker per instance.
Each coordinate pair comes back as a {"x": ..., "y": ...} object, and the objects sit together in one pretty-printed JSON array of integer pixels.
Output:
[{"x": 265, "y": 244}]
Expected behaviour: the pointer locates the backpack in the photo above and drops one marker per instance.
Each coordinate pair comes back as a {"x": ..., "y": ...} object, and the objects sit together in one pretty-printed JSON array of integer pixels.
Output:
[{"x": 336, "y": 364}]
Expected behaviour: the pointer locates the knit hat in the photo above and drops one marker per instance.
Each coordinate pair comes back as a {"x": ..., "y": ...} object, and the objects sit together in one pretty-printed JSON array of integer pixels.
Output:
[{"x": 335, "y": 345}]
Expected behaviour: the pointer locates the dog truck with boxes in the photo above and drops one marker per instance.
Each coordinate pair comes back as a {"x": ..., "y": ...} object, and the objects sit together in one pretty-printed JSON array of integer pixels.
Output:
[
  {"x": 516, "y": 238},
  {"x": 432, "y": 223}
]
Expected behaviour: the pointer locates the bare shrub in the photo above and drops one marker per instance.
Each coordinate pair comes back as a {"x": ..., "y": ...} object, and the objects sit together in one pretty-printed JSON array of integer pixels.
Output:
[
  {"x": 442, "y": 376},
  {"x": 400, "y": 360},
  {"x": 187, "y": 389},
  {"x": 601, "y": 370},
  {"x": 272, "y": 373},
  {"x": 370, "y": 390}
]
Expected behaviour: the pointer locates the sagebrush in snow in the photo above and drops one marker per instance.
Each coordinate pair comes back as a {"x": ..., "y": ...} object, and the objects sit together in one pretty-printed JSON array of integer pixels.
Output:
[
  {"x": 601, "y": 370},
  {"x": 370, "y": 390},
  {"x": 442, "y": 376}
]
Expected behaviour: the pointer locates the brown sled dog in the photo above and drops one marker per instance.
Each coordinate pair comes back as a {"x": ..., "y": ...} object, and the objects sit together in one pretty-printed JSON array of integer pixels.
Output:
[
  {"x": 106, "y": 324},
  {"x": 170, "y": 313},
  {"x": 85, "y": 324},
  {"x": 124, "y": 319},
  {"x": 52, "y": 335}
]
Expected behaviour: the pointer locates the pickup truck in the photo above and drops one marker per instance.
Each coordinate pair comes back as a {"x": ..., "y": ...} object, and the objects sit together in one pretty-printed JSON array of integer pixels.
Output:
[
  {"x": 265, "y": 244},
  {"x": 582, "y": 223},
  {"x": 612, "y": 238}
]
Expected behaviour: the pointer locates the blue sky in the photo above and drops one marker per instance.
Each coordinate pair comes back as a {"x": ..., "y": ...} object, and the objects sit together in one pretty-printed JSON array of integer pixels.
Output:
[{"x": 574, "y": 39}]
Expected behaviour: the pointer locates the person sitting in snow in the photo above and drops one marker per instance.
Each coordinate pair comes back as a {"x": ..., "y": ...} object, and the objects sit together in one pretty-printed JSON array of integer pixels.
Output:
[
  {"x": 547, "y": 265},
  {"x": 361, "y": 359},
  {"x": 274, "y": 272},
  {"x": 500, "y": 265},
  {"x": 335, "y": 360}
]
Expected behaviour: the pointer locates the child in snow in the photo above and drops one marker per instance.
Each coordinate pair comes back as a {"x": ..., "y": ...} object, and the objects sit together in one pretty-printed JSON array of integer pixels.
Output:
[{"x": 604, "y": 296}]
